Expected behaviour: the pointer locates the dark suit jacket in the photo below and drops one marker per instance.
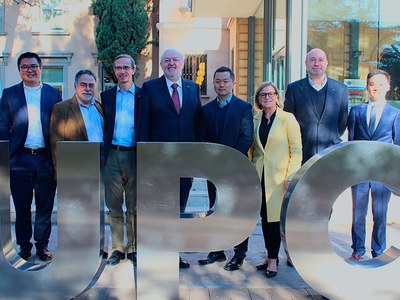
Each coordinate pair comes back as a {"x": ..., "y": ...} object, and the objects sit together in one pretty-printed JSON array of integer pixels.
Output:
[
  {"x": 14, "y": 116},
  {"x": 387, "y": 130},
  {"x": 108, "y": 101},
  {"x": 237, "y": 131},
  {"x": 159, "y": 120},
  {"x": 67, "y": 123},
  {"x": 318, "y": 132}
]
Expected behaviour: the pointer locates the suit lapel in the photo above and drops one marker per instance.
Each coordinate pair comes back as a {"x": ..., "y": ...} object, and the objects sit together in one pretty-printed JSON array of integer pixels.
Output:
[
  {"x": 185, "y": 91},
  {"x": 384, "y": 118},
  {"x": 305, "y": 89},
  {"x": 99, "y": 108},
  {"x": 138, "y": 95},
  {"x": 44, "y": 107},
  {"x": 257, "y": 123},
  {"x": 362, "y": 117},
  {"x": 276, "y": 124},
  {"x": 230, "y": 113},
  {"x": 76, "y": 113},
  {"x": 21, "y": 106},
  {"x": 112, "y": 108},
  {"x": 330, "y": 96},
  {"x": 164, "y": 91}
]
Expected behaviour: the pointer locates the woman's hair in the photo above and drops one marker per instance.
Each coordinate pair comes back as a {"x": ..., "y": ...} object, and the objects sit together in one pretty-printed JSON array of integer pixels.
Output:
[{"x": 260, "y": 88}]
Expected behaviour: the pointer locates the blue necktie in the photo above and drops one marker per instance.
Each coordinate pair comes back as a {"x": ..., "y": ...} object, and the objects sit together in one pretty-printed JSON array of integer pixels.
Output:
[{"x": 372, "y": 119}]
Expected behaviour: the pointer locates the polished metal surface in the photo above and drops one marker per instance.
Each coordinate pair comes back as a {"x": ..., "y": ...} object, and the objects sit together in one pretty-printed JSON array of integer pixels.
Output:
[
  {"x": 305, "y": 218},
  {"x": 80, "y": 229},
  {"x": 162, "y": 234}
]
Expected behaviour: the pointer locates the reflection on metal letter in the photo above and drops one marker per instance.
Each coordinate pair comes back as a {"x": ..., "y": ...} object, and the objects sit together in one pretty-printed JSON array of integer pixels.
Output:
[
  {"x": 80, "y": 229},
  {"x": 305, "y": 217},
  {"x": 162, "y": 234}
]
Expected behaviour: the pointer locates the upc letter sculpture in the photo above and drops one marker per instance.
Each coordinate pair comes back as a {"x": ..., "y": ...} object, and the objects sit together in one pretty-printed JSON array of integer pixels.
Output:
[{"x": 162, "y": 234}]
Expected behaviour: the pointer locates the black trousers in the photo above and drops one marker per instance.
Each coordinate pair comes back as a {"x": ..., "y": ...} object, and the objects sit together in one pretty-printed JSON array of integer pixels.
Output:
[
  {"x": 271, "y": 230},
  {"x": 32, "y": 175},
  {"x": 185, "y": 186}
]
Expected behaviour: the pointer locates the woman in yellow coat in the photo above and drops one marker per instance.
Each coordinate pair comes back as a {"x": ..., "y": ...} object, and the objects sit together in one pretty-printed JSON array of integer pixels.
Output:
[{"x": 276, "y": 153}]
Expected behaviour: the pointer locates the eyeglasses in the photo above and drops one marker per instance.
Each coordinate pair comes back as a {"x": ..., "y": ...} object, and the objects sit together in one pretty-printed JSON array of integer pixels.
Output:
[
  {"x": 86, "y": 85},
  {"x": 120, "y": 68},
  {"x": 25, "y": 68},
  {"x": 266, "y": 95}
]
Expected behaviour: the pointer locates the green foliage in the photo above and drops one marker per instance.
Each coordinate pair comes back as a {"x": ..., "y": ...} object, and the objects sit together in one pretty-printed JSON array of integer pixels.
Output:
[{"x": 122, "y": 28}]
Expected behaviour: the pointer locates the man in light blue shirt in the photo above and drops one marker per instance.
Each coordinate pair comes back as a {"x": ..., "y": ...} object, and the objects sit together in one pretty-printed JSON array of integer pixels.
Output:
[
  {"x": 120, "y": 105},
  {"x": 79, "y": 118}
]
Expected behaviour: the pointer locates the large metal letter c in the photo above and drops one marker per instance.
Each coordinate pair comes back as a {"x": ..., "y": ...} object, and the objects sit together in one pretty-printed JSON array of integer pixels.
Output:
[{"x": 305, "y": 218}]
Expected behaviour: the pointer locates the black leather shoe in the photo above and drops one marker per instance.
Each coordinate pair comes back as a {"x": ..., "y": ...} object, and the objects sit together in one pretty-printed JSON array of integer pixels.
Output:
[
  {"x": 24, "y": 254},
  {"x": 262, "y": 266},
  {"x": 115, "y": 258},
  {"x": 132, "y": 257},
  {"x": 183, "y": 263},
  {"x": 44, "y": 254},
  {"x": 270, "y": 274},
  {"x": 235, "y": 263},
  {"x": 212, "y": 257}
]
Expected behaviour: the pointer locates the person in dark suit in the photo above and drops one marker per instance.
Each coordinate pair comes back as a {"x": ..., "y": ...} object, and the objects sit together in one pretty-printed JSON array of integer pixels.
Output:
[
  {"x": 172, "y": 112},
  {"x": 79, "y": 118},
  {"x": 25, "y": 111},
  {"x": 319, "y": 104},
  {"x": 228, "y": 121},
  {"x": 372, "y": 121},
  {"x": 121, "y": 109}
]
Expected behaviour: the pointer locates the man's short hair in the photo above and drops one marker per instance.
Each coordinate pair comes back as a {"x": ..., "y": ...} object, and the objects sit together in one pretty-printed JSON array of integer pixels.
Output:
[
  {"x": 29, "y": 55},
  {"x": 180, "y": 54},
  {"x": 376, "y": 72},
  {"x": 133, "y": 64},
  {"x": 84, "y": 72},
  {"x": 225, "y": 69}
]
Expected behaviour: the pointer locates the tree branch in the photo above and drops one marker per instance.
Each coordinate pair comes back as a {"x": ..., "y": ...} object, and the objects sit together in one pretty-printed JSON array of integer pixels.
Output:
[{"x": 30, "y": 3}]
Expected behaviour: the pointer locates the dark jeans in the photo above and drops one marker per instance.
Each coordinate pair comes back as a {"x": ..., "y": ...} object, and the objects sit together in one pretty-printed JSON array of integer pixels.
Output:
[{"x": 32, "y": 175}]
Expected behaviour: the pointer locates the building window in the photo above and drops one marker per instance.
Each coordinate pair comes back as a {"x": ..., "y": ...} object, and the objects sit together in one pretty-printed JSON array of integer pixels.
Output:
[
  {"x": 55, "y": 70},
  {"x": 195, "y": 69},
  {"x": 356, "y": 41},
  {"x": 54, "y": 77},
  {"x": 51, "y": 15}
]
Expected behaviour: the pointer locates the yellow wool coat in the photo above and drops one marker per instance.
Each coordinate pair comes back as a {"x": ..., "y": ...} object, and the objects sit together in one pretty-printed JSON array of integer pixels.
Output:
[{"x": 280, "y": 159}]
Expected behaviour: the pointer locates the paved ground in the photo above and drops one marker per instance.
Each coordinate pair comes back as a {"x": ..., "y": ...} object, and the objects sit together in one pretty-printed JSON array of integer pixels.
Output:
[{"x": 213, "y": 282}]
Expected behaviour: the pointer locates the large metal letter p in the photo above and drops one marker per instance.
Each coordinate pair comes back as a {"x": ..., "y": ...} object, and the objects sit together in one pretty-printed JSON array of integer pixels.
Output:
[{"x": 161, "y": 232}]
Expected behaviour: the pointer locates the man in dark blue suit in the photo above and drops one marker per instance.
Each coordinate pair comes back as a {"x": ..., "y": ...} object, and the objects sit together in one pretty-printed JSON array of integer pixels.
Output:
[
  {"x": 319, "y": 104},
  {"x": 372, "y": 121},
  {"x": 228, "y": 121},
  {"x": 171, "y": 111},
  {"x": 121, "y": 109},
  {"x": 25, "y": 112}
]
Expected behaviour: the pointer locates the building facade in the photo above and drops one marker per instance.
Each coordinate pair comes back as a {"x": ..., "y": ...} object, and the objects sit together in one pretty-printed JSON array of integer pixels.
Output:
[{"x": 259, "y": 39}]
